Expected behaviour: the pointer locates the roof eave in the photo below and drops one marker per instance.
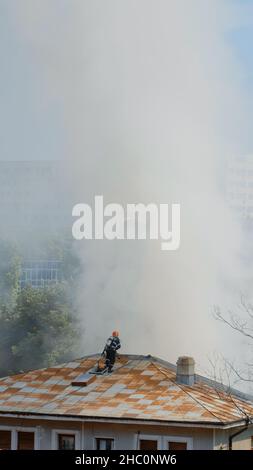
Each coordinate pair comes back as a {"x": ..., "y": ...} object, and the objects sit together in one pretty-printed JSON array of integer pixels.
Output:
[{"x": 116, "y": 420}]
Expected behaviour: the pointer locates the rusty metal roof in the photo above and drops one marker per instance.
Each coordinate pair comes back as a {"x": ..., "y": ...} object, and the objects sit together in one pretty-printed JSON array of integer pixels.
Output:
[{"x": 140, "y": 388}]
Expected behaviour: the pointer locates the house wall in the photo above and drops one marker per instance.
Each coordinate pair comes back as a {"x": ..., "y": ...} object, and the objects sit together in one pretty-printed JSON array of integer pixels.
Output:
[
  {"x": 243, "y": 441},
  {"x": 125, "y": 435},
  {"x": 220, "y": 439},
  {"x": 240, "y": 442}
]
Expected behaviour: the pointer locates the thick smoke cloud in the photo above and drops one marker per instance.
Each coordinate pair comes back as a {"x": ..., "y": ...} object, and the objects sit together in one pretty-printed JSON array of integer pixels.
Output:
[{"x": 150, "y": 98}]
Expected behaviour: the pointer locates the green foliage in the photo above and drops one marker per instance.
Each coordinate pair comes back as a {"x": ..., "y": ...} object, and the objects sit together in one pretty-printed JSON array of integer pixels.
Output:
[
  {"x": 63, "y": 250},
  {"x": 10, "y": 265},
  {"x": 41, "y": 332},
  {"x": 39, "y": 327}
]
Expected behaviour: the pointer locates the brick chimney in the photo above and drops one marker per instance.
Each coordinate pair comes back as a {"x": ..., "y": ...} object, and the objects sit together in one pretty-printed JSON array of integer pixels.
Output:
[{"x": 185, "y": 370}]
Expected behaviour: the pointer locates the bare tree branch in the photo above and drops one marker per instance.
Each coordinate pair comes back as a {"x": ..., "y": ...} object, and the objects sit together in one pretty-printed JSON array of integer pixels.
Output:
[
  {"x": 238, "y": 374},
  {"x": 224, "y": 390},
  {"x": 233, "y": 322},
  {"x": 247, "y": 307}
]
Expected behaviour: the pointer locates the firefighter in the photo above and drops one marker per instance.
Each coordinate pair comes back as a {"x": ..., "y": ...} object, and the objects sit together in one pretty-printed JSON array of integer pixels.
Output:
[{"x": 109, "y": 352}]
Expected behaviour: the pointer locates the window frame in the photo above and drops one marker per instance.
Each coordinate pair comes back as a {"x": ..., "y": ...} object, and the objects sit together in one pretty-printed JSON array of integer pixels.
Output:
[
  {"x": 7, "y": 430},
  {"x": 62, "y": 435},
  {"x": 103, "y": 437},
  {"x": 23, "y": 432},
  {"x": 186, "y": 439},
  {"x": 14, "y": 435},
  {"x": 70, "y": 432},
  {"x": 149, "y": 437},
  {"x": 162, "y": 441}
]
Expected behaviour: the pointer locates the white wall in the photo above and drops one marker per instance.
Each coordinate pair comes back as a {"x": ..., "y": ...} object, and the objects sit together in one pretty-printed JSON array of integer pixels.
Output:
[
  {"x": 243, "y": 441},
  {"x": 126, "y": 436},
  {"x": 240, "y": 442}
]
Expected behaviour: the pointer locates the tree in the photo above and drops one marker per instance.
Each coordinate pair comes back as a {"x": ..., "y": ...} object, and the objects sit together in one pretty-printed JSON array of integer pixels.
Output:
[
  {"x": 40, "y": 332},
  {"x": 39, "y": 327},
  {"x": 10, "y": 266},
  {"x": 241, "y": 322}
]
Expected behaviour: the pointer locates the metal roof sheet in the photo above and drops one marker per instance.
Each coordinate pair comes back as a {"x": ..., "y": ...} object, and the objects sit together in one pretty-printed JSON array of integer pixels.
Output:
[{"x": 140, "y": 387}]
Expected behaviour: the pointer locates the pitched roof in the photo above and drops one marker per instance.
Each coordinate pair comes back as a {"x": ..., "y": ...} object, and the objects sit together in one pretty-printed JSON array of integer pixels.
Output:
[{"x": 140, "y": 388}]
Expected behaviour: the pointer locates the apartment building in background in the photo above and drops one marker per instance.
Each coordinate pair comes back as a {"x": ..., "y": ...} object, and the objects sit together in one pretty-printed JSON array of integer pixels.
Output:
[
  {"x": 33, "y": 209},
  {"x": 32, "y": 199},
  {"x": 40, "y": 273}
]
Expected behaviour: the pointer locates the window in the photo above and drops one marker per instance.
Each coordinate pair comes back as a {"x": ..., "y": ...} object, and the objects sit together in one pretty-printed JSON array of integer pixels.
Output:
[
  {"x": 160, "y": 442},
  {"x": 22, "y": 438},
  {"x": 149, "y": 441},
  {"x": 66, "y": 441},
  {"x": 104, "y": 444},
  {"x": 148, "y": 444},
  {"x": 177, "y": 445},
  {"x": 40, "y": 273},
  {"x": 25, "y": 440},
  {"x": 5, "y": 440}
]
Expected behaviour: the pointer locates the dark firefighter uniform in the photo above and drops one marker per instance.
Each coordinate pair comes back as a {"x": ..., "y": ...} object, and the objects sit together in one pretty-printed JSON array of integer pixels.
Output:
[{"x": 112, "y": 345}]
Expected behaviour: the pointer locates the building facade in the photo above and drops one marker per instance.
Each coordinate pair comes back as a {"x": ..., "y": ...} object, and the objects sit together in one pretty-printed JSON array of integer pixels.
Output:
[
  {"x": 40, "y": 273},
  {"x": 33, "y": 199}
]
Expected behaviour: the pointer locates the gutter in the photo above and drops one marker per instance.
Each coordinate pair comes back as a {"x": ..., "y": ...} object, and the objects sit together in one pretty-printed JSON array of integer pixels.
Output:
[
  {"x": 101, "y": 419},
  {"x": 232, "y": 436}
]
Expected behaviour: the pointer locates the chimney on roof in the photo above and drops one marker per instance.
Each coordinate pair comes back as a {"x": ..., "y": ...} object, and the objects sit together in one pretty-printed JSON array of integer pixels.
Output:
[{"x": 185, "y": 370}]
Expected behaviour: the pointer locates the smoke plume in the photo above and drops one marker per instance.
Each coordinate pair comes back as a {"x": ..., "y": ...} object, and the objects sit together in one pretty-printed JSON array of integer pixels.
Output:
[{"x": 149, "y": 96}]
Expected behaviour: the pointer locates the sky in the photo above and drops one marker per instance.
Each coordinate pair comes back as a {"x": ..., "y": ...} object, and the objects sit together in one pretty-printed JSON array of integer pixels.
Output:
[{"x": 31, "y": 127}]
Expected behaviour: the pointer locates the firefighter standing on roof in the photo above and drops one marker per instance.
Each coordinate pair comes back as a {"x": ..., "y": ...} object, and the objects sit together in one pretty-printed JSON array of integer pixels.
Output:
[{"x": 112, "y": 345}]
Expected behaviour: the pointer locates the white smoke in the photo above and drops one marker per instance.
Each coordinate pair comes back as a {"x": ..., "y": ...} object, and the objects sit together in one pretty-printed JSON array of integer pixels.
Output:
[{"x": 152, "y": 103}]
